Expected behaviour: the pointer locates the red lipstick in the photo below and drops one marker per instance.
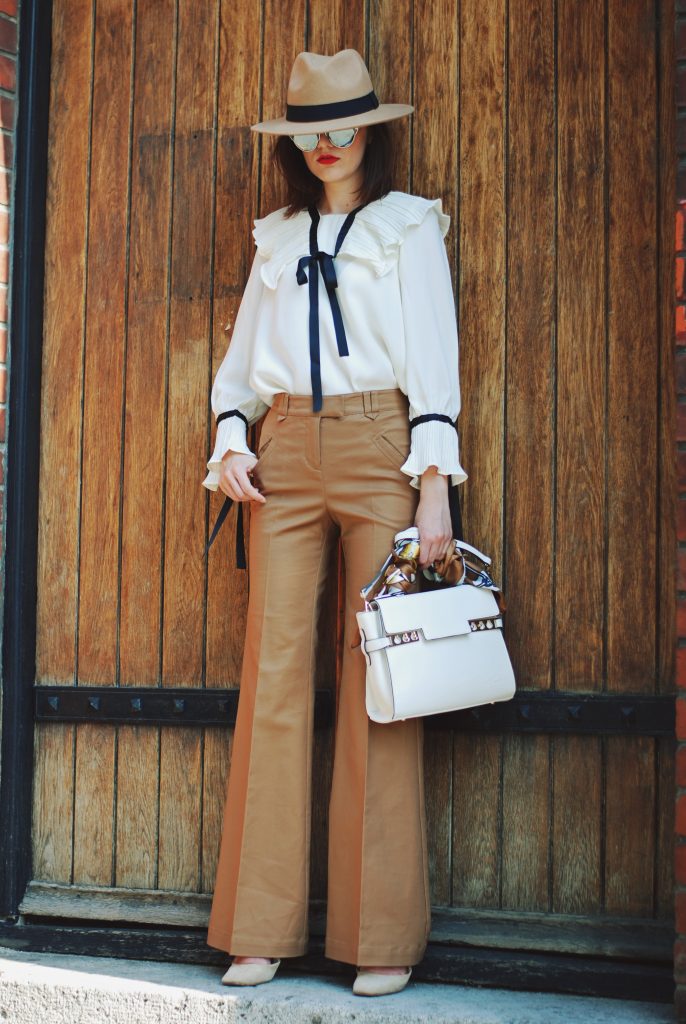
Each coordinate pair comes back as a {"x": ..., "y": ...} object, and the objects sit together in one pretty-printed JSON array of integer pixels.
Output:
[{"x": 327, "y": 159}]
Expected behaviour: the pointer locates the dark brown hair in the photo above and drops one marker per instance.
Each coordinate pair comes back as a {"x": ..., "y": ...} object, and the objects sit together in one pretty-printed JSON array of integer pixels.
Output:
[{"x": 304, "y": 189}]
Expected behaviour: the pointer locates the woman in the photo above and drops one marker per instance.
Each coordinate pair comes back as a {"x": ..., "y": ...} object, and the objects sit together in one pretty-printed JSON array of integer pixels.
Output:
[{"x": 345, "y": 336}]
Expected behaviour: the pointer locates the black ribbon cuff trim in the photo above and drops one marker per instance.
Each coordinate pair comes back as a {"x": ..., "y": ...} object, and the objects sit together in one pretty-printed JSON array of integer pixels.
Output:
[
  {"x": 432, "y": 416},
  {"x": 224, "y": 510},
  {"x": 232, "y": 412},
  {"x": 321, "y": 111}
]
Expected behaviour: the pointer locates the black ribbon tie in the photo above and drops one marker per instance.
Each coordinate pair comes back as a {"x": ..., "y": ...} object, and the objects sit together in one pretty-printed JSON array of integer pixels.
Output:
[{"x": 309, "y": 268}]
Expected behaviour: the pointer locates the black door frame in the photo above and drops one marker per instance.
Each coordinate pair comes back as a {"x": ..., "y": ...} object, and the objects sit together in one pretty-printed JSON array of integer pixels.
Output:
[{"x": 23, "y": 440}]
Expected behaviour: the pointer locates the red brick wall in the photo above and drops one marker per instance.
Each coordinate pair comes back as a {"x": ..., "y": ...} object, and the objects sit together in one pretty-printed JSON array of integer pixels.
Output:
[{"x": 8, "y": 84}]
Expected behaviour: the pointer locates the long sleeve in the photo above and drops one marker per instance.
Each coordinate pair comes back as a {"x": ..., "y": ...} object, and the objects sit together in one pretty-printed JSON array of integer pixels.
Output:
[
  {"x": 231, "y": 389},
  {"x": 431, "y": 340}
]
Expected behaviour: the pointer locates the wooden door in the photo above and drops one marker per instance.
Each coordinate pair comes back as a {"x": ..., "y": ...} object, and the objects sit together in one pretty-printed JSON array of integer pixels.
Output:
[{"x": 545, "y": 128}]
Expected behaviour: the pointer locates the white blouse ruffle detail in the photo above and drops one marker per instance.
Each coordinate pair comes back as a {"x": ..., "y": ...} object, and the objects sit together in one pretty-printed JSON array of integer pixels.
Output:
[
  {"x": 281, "y": 241},
  {"x": 396, "y": 299}
]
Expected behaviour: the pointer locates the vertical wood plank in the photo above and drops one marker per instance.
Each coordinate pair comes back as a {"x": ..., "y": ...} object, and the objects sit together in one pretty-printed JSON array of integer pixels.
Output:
[
  {"x": 577, "y": 798},
  {"x": 478, "y": 236},
  {"x": 102, "y": 433},
  {"x": 632, "y": 340},
  {"x": 141, "y": 589},
  {"x": 52, "y": 801},
  {"x": 180, "y": 809},
  {"x": 390, "y": 60},
  {"x": 189, "y": 352},
  {"x": 526, "y": 793},
  {"x": 136, "y": 815},
  {"x": 666, "y": 300},
  {"x": 664, "y": 883},
  {"x": 284, "y": 38},
  {"x": 94, "y": 804},
  {"x": 529, "y": 439},
  {"x": 62, "y": 379},
  {"x": 438, "y": 756},
  {"x": 235, "y": 206},
  {"x": 105, "y": 345},
  {"x": 630, "y": 825},
  {"x": 481, "y": 292},
  {"x": 189, "y": 341},
  {"x": 335, "y": 25},
  {"x": 476, "y": 867},
  {"x": 580, "y": 340},
  {"x": 217, "y": 758},
  {"x": 61, "y": 388}
]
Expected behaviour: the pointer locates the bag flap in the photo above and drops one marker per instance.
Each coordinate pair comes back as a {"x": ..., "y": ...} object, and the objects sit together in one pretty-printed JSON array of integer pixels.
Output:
[{"x": 438, "y": 613}]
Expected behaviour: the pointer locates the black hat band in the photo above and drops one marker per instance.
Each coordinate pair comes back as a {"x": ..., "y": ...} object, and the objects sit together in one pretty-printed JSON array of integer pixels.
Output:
[{"x": 324, "y": 111}]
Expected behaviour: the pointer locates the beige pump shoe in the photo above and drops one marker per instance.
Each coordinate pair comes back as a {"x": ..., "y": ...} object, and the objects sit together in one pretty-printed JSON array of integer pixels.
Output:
[
  {"x": 250, "y": 974},
  {"x": 370, "y": 983}
]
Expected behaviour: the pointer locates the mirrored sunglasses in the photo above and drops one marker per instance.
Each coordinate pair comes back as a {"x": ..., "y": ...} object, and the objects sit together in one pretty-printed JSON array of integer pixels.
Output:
[{"x": 341, "y": 138}]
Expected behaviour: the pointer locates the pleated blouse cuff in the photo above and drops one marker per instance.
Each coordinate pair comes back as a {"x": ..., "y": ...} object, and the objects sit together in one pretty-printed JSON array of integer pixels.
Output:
[
  {"x": 434, "y": 444},
  {"x": 231, "y": 436}
]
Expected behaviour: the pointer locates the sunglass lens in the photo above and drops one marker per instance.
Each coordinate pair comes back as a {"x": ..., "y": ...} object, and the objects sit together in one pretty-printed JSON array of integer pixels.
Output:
[
  {"x": 341, "y": 137},
  {"x": 306, "y": 142}
]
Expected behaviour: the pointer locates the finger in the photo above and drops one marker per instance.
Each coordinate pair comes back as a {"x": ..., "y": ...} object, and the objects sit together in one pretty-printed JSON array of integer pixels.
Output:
[
  {"x": 249, "y": 490},
  {"x": 233, "y": 486}
]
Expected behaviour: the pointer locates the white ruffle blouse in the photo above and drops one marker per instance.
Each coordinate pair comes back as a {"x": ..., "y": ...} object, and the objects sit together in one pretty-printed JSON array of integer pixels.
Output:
[{"x": 396, "y": 299}]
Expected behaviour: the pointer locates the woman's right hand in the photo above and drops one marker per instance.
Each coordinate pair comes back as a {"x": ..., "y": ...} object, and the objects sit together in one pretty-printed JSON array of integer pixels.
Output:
[{"x": 234, "y": 479}]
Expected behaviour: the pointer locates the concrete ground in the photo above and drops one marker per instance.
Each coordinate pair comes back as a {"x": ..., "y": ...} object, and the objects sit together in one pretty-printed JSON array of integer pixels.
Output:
[{"x": 46, "y": 988}]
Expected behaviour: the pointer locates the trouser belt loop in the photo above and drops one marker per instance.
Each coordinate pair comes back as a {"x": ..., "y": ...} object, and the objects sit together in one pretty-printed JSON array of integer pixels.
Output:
[
  {"x": 369, "y": 404},
  {"x": 283, "y": 406}
]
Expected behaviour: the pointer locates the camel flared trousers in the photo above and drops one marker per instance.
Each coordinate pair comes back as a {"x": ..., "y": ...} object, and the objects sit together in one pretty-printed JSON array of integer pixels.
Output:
[{"x": 322, "y": 473}]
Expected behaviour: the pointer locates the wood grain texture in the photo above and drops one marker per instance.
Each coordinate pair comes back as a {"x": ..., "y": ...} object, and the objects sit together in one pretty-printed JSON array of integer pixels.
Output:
[
  {"x": 438, "y": 784},
  {"x": 53, "y": 802},
  {"x": 94, "y": 784},
  {"x": 106, "y": 330},
  {"x": 666, "y": 302},
  {"x": 390, "y": 62},
  {"x": 529, "y": 436},
  {"x": 137, "y": 806},
  {"x": 336, "y": 25},
  {"x": 190, "y": 313},
  {"x": 481, "y": 239},
  {"x": 576, "y": 827},
  {"x": 181, "y": 792},
  {"x": 144, "y": 431},
  {"x": 189, "y": 345},
  {"x": 235, "y": 207},
  {"x": 60, "y": 449},
  {"x": 284, "y": 38},
  {"x": 216, "y": 761},
  {"x": 477, "y": 820},
  {"x": 632, "y": 351},
  {"x": 526, "y": 822},
  {"x": 665, "y": 810},
  {"x": 581, "y": 322},
  {"x": 62, "y": 377},
  {"x": 630, "y": 838}
]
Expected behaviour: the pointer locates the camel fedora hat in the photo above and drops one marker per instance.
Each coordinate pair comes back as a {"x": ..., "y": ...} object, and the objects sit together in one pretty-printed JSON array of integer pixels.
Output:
[{"x": 330, "y": 92}]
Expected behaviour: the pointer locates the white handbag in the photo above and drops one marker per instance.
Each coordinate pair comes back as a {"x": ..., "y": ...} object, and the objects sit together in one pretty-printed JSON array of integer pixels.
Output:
[{"x": 436, "y": 651}]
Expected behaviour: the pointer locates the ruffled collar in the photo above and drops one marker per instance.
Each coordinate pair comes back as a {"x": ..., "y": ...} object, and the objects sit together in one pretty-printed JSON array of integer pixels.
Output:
[{"x": 375, "y": 236}]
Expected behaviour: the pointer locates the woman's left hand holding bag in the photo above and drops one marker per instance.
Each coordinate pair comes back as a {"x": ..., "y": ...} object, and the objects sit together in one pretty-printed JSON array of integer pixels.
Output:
[{"x": 433, "y": 518}]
